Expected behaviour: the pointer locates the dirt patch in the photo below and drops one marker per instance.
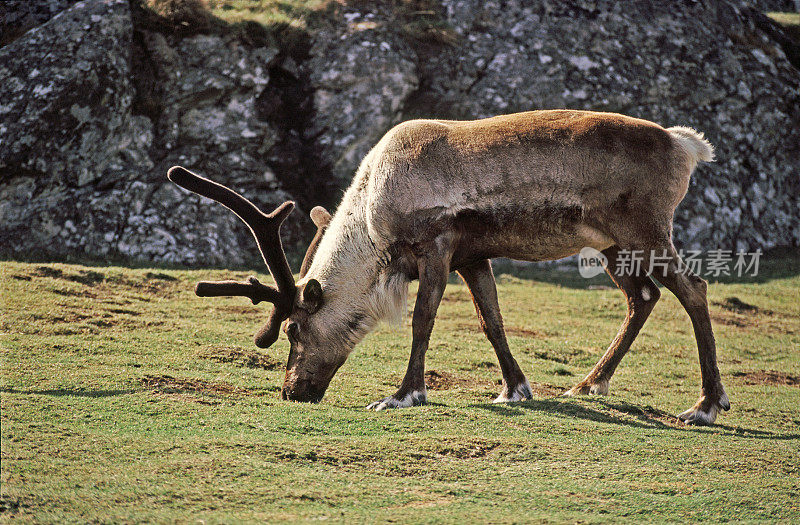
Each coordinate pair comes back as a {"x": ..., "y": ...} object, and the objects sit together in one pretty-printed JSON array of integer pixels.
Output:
[
  {"x": 439, "y": 380},
  {"x": 123, "y": 311},
  {"x": 474, "y": 449},
  {"x": 170, "y": 385},
  {"x": 768, "y": 377},
  {"x": 424, "y": 503},
  {"x": 735, "y": 312},
  {"x": 129, "y": 323},
  {"x": 732, "y": 320},
  {"x": 162, "y": 288},
  {"x": 461, "y": 448},
  {"x": 45, "y": 271},
  {"x": 10, "y": 505},
  {"x": 74, "y": 293},
  {"x": 523, "y": 332},
  {"x": 160, "y": 276},
  {"x": 473, "y": 328},
  {"x": 546, "y": 389},
  {"x": 87, "y": 277},
  {"x": 241, "y": 357},
  {"x": 246, "y": 309},
  {"x": 64, "y": 316}
]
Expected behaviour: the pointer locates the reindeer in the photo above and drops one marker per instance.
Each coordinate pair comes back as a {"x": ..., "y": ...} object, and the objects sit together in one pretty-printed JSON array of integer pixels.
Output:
[{"x": 435, "y": 196}]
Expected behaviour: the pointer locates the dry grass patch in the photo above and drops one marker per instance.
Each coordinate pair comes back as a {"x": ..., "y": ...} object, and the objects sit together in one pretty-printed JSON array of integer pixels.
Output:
[
  {"x": 240, "y": 357},
  {"x": 166, "y": 384},
  {"x": 767, "y": 377},
  {"x": 441, "y": 380}
]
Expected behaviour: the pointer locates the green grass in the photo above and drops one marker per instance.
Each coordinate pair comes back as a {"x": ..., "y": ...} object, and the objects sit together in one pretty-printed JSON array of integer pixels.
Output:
[
  {"x": 419, "y": 21},
  {"x": 125, "y": 398},
  {"x": 268, "y": 13},
  {"x": 789, "y": 21}
]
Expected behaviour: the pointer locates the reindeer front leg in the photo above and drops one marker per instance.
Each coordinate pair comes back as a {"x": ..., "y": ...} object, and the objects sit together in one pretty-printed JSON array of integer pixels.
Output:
[
  {"x": 432, "y": 281},
  {"x": 481, "y": 284}
]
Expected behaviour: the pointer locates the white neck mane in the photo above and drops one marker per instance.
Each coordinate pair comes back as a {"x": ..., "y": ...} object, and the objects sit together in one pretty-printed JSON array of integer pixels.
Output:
[{"x": 353, "y": 270}]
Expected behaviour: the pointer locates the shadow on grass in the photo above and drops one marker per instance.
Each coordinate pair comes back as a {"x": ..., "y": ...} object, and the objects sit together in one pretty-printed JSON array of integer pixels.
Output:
[
  {"x": 775, "y": 264},
  {"x": 627, "y": 414},
  {"x": 73, "y": 392},
  {"x": 779, "y": 263}
]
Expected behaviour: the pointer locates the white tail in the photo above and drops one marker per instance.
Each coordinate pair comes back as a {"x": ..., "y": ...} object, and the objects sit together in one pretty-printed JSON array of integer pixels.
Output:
[{"x": 694, "y": 143}]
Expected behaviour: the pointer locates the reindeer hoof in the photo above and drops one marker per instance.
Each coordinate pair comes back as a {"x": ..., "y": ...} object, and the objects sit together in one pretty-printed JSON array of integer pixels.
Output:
[
  {"x": 596, "y": 388},
  {"x": 705, "y": 412},
  {"x": 701, "y": 418},
  {"x": 412, "y": 399},
  {"x": 522, "y": 392}
]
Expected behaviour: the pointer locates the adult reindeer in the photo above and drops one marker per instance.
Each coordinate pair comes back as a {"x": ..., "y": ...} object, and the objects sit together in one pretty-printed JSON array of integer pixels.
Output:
[{"x": 435, "y": 196}]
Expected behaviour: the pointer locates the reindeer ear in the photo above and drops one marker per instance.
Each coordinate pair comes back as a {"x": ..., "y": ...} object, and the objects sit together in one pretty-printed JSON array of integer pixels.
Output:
[
  {"x": 320, "y": 216},
  {"x": 312, "y": 295},
  {"x": 321, "y": 219}
]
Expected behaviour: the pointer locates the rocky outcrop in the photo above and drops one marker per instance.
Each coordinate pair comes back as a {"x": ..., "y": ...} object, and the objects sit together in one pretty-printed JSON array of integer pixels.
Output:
[
  {"x": 19, "y": 16},
  {"x": 361, "y": 78},
  {"x": 67, "y": 93},
  {"x": 96, "y": 106},
  {"x": 82, "y": 174},
  {"x": 706, "y": 65}
]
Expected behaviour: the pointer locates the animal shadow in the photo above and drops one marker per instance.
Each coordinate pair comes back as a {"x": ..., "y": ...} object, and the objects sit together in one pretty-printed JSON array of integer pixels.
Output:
[{"x": 623, "y": 413}]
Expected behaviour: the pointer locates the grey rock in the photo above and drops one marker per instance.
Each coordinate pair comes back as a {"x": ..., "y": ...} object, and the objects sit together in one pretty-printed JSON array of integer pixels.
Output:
[
  {"x": 94, "y": 109},
  {"x": 66, "y": 92},
  {"x": 361, "y": 80},
  {"x": 18, "y": 16},
  {"x": 100, "y": 190}
]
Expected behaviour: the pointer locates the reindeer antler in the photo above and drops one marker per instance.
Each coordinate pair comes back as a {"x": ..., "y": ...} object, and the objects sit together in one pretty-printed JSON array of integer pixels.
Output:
[{"x": 266, "y": 230}]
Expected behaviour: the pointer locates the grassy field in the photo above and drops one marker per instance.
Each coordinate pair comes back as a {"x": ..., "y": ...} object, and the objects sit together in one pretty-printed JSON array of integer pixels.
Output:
[{"x": 125, "y": 398}]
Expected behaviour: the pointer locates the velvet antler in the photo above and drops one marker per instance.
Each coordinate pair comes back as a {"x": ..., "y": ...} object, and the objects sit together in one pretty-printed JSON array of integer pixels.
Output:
[{"x": 266, "y": 230}]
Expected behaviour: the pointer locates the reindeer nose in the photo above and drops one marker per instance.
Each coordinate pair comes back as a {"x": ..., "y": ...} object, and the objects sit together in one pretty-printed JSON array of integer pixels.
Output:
[{"x": 305, "y": 394}]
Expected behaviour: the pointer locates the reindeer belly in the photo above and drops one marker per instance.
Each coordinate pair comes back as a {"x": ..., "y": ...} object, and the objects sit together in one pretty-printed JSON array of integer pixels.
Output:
[{"x": 541, "y": 233}]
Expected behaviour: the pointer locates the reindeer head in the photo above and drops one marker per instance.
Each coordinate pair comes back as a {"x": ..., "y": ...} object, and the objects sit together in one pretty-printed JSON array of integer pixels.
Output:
[{"x": 316, "y": 353}]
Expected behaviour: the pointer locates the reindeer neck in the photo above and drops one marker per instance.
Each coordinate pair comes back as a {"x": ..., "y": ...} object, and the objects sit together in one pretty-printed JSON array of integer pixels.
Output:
[{"x": 346, "y": 254}]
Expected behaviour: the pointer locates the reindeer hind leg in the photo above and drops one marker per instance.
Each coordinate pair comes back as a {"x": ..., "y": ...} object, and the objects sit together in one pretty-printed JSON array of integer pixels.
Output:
[
  {"x": 641, "y": 295},
  {"x": 690, "y": 290}
]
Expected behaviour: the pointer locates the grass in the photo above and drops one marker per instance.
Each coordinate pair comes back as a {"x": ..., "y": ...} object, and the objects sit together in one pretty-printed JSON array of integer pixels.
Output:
[
  {"x": 269, "y": 13},
  {"x": 290, "y": 25},
  {"x": 419, "y": 21},
  {"x": 125, "y": 398},
  {"x": 789, "y": 21}
]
